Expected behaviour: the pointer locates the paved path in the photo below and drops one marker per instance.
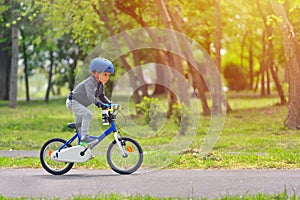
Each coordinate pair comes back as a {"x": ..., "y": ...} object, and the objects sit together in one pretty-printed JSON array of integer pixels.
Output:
[
  {"x": 18, "y": 153},
  {"x": 160, "y": 183}
]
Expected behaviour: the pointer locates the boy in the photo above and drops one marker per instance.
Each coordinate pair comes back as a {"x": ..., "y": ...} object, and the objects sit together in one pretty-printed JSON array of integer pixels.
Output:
[{"x": 90, "y": 91}]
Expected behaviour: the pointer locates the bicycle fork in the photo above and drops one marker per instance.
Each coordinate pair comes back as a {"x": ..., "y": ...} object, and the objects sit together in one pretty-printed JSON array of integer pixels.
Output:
[{"x": 120, "y": 144}]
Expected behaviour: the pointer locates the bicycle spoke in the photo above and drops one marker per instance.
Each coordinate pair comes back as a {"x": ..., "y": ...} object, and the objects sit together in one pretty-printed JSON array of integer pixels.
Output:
[
  {"x": 128, "y": 164},
  {"x": 50, "y": 165}
]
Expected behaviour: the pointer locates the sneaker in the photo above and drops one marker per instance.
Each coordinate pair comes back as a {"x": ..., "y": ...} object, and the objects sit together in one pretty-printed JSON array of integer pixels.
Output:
[{"x": 87, "y": 139}]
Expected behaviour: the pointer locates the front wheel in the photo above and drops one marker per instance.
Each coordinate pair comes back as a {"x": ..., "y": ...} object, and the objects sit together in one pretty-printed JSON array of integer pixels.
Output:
[
  {"x": 125, "y": 164},
  {"x": 52, "y": 166}
]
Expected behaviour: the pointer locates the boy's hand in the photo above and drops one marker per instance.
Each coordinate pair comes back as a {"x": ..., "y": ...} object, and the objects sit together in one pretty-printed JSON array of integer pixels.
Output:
[
  {"x": 98, "y": 104},
  {"x": 105, "y": 106}
]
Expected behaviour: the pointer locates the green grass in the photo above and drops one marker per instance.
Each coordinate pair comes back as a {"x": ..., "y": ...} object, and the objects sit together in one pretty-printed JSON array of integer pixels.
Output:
[
  {"x": 28, "y": 126},
  {"x": 280, "y": 196},
  {"x": 253, "y": 136}
]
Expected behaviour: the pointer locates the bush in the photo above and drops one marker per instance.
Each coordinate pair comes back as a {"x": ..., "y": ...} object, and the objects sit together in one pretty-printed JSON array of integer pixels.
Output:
[
  {"x": 235, "y": 78},
  {"x": 181, "y": 117},
  {"x": 152, "y": 111}
]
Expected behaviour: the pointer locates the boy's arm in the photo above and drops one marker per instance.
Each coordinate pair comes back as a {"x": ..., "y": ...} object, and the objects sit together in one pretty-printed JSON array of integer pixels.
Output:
[
  {"x": 104, "y": 99},
  {"x": 101, "y": 95}
]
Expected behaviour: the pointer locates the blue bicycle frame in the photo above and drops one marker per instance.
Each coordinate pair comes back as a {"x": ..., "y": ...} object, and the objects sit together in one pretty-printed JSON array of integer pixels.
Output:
[{"x": 108, "y": 131}]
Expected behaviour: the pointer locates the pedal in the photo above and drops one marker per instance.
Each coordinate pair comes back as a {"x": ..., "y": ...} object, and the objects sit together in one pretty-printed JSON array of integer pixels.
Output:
[
  {"x": 87, "y": 145},
  {"x": 83, "y": 144}
]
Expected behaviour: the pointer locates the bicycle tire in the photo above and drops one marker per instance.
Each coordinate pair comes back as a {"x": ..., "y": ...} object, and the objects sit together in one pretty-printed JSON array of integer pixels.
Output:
[
  {"x": 120, "y": 164},
  {"x": 51, "y": 166}
]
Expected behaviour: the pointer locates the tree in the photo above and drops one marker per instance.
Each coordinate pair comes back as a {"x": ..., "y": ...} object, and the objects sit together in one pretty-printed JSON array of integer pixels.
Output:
[
  {"x": 25, "y": 56},
  {"x": 218, "y": 46},
  {"x": 132, "y": 9},
  {"x": 14, "y": 59},
  {"x": 291, "y": 53},
  {"x": 270, "y": 53},
  {"x": 30, "y": 30},
  {"x": 238, "y": 33},
  {"x": 174, "y": 61},
  {"x": 134, "y": 78},
  {"x": 197, "y": 79},
  {"x": 5, "y": 64},
  {"x": 5, "y": 48}
]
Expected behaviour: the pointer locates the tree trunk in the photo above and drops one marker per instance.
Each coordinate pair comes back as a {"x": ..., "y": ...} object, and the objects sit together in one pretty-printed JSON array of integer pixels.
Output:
[
  {"x": 159, "y": 88},
  {"x": 256, "y": 82},
  {"x": 268, "y": 80},
  {"x": 50, "y": 77},
  {"x": 160, "y": 74},
  {"x": 199, "y": 87},
  {"x": 13, "y": 90},
  {"x": 133, "y": 79},
  {"x": 197, "y": 79},
  {"x": 25, "y": 67},
  {"x": 218, "y": 33},
  {"x": 161, "y": 58},
  {"x": 136, "y": 58},
  {"x": 243, "y": 44},
  {"x": 5, "y": 68},
  {"x": 218, "y": 46},
  {"x": 270, "y": 57},
  {"x": 278, "y": 86},
  {"x": 273, "y": 72},
  {"x": 169, "y": 80},
  {"x": 251, "y": 74},
  {"x": 5, "y": 55},
  {"x": 262, "y": 66},
  {"x": 174, "y": 60},
  {"x": 291, "y": 52}
]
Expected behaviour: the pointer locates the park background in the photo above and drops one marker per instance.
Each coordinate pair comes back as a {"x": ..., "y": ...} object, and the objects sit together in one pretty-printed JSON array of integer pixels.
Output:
[{"x": 254, "y": 44}]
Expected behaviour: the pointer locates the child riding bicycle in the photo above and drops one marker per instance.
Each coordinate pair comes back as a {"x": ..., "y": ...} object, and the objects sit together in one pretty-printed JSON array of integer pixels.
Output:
[{"x": 90, "y": 91}]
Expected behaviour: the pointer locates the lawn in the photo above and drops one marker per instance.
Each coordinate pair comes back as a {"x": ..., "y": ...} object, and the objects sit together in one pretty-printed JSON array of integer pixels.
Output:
[
  {"x": 280, "y": 196},
  {"x": 253, "y": 136}
]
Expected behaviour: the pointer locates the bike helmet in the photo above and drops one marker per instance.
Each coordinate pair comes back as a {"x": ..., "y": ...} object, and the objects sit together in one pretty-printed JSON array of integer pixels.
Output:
[{"x": 102, "y": 65}]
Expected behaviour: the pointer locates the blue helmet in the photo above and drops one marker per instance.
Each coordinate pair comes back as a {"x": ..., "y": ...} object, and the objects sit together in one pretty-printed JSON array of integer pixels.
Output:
[{"x": 102, "y": 65}]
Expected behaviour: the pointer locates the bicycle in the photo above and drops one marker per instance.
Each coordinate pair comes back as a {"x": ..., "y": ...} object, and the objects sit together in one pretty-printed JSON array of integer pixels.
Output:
[{"x": 124, "y": 155}]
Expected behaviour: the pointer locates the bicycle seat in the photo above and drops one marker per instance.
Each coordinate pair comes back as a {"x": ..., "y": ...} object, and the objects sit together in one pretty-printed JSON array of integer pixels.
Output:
[{"x": 73, "y": 125}]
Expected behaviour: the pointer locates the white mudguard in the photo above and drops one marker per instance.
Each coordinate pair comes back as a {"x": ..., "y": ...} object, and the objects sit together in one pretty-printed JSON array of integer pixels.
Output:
[{"x": 72, "y": 154}]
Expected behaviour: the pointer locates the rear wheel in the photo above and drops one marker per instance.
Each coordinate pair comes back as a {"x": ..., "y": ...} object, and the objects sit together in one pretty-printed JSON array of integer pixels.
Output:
[
  {"x": 50, "y": 165},
  {"x": 129, "y": 163}
]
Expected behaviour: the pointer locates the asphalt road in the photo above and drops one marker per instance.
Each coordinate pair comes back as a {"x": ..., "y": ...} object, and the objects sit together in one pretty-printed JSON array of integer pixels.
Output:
[{"x": 37, "y": 183}]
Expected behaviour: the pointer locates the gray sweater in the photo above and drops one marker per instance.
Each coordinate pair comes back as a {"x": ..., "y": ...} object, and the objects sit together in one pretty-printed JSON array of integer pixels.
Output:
[{"x": 88, "y": 91}]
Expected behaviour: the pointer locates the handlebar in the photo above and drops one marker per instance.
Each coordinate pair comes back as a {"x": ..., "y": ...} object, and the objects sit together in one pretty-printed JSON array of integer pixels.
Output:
[
  {"x": 114, "y": 107},
  {"x": 113, "y": 111}
]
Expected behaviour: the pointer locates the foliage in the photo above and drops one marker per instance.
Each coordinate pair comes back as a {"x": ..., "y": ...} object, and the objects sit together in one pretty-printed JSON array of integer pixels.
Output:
[
  {"x": 198, "y": 14},
  {"x": 152, "y": 111},
  {"x": 38, "y": 40},
  {"x": 77, "y": 19},
  {"x": 181, "y": 115}
]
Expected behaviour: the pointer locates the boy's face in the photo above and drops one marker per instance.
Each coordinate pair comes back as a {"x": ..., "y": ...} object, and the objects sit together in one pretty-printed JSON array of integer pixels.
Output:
[{"x": 103, "y": 77}]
